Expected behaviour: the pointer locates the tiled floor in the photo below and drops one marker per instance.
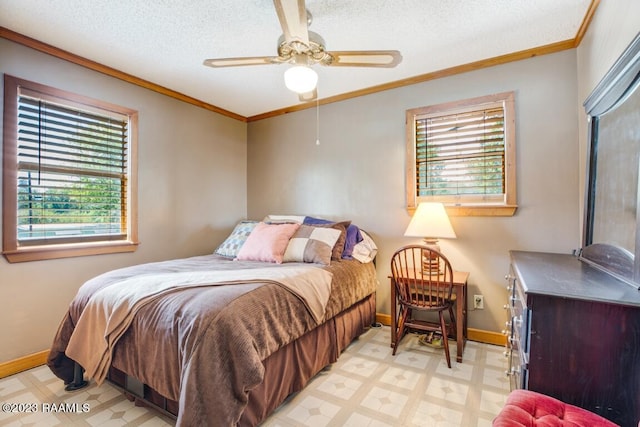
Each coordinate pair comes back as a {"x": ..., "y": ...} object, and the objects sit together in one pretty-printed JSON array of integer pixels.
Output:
[{"x": 366, "y": 387}]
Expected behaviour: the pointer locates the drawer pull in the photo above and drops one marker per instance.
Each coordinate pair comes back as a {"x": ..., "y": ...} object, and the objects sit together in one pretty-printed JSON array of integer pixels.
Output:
[
  {"x": 517, "y": 321},
  {"x": 513, "y": 371}
]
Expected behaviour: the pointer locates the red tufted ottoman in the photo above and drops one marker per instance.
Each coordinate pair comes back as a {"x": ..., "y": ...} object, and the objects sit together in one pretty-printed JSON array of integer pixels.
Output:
[{"x": 528, "y": 408}]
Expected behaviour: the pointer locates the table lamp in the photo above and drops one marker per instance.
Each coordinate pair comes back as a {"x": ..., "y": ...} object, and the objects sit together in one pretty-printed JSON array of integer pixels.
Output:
[{"x": 430, "y": 221}]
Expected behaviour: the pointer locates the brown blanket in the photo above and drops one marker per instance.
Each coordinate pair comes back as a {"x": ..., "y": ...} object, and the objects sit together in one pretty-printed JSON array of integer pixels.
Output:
[
  {"x": 204, "y": 346},
  {"x": 109, "y": 313}
]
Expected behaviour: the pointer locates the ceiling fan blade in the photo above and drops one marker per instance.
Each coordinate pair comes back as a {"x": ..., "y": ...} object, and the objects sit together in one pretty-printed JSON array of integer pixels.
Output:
[
  {"x": 293, "y": 20},
  {"x": 236, "y": 62},
  {"x": 365, "y": 58},
  {"x": 308, "y": 96}
]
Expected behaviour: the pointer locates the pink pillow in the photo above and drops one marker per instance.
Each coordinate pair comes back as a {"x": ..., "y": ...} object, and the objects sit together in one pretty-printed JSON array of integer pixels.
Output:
[{"x": 267, "y": 242}]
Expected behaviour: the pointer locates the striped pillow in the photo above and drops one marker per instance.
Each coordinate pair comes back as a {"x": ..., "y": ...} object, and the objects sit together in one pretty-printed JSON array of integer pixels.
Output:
[{"x": 312, "y": 244}]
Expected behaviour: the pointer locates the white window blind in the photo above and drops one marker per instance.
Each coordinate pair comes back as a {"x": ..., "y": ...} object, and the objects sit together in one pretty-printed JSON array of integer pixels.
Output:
[
  {"x": 461, "y": 154},
  {"x": 71, "y": 174}
]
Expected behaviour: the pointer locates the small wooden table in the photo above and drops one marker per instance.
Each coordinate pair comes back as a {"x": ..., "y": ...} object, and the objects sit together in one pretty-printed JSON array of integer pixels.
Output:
[{"x": 460, "y": 289}]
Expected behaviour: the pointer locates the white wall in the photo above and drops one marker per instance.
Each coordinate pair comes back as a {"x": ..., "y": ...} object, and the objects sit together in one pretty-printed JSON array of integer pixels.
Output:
[
  {"x": 358, "y": 171},
  {"x": 192, "y": 190}
]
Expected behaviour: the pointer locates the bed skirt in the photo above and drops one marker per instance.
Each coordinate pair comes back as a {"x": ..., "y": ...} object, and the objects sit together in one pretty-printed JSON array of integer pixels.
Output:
[{"x": 287, "y": 371}]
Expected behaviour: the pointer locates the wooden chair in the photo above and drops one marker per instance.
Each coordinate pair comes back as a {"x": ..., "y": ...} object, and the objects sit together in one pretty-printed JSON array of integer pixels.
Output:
[{"x": 423, "y": 278}]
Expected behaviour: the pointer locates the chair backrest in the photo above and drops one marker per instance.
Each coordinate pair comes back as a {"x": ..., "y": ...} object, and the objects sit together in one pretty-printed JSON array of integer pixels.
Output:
[{"x": 423, "y": 277}]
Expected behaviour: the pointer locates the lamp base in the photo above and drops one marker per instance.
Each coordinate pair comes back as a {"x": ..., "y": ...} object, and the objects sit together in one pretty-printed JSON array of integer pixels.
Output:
[{"x": 431, "y": 264}]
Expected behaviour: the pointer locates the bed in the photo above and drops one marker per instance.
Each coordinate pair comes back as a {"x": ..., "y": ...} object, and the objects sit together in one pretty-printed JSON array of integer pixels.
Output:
[{"x": 222, "y": 338}]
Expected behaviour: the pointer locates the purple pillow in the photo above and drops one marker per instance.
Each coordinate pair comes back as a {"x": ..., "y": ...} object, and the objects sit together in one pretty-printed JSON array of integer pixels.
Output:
[
  {"x": 308, "y": 220},
  {"x": 353, "y": 238}
]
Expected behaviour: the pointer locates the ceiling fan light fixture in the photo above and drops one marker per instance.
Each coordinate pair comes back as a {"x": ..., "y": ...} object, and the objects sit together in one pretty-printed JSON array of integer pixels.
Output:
[
  {"x": 302, "y": 48},
  {"x": 300, "y": 79}
]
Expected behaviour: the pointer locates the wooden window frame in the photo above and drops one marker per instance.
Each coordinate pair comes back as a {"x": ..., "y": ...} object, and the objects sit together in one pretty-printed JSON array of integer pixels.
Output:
[
  {"x": 466, "y": 207},
  {"x": 12, "y": 249}
]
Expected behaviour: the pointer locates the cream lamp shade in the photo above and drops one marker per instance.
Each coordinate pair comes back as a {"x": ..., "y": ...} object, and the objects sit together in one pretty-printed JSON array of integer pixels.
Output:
[
  {"x": 430, "y": 221},
  {"x": 300, "y": 79}
]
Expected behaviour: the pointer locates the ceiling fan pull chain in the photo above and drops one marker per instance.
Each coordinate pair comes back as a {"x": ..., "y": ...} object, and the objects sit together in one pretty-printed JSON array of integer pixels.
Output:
[{"x": 317, "y": 120}]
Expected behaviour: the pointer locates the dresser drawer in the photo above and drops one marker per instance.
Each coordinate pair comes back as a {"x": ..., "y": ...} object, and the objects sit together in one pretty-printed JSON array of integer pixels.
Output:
[
  {"x": 517, "y": 331},
  {"x": 517, "y": 370}
]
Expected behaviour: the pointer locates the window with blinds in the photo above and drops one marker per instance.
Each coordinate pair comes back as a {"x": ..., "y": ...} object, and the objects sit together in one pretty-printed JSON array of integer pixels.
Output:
[
  {"x": 72, "y": 170},
  {"x": 462, "y": 153},
  {"x": 72, "y": 173}
]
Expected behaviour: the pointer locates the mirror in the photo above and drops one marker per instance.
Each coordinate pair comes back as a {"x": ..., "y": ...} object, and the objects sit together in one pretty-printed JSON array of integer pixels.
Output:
[
  {"x": 611, "y": 235},
  {"x": 616, "y": 175}
]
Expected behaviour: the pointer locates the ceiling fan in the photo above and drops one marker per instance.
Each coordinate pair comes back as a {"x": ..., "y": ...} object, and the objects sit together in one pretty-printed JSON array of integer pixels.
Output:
[{"x": 303, "y": 48}]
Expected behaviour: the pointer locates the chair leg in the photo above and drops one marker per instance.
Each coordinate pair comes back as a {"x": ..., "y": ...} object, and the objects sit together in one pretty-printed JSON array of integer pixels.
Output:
[
  {"x": 401, "y": 329},
  {"x": 443, "y": 327},
  {"x": 406, "y": 314},
  {"x": 453, "y": 325}
]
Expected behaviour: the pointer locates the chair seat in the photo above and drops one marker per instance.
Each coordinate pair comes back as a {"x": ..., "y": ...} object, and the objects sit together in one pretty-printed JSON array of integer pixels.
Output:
[
  {"x": 528, "y": 408},
  {"x": 426, "y": 305},
  {"x": 452, "y": 298}
]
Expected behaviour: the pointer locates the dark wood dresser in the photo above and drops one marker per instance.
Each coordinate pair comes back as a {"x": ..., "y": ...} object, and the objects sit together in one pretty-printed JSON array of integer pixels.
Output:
[{"x": 574, "y": 334}]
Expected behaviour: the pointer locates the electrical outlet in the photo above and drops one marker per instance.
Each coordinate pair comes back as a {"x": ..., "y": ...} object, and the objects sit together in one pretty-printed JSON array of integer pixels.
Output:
[{"x": 478, "y": 302}]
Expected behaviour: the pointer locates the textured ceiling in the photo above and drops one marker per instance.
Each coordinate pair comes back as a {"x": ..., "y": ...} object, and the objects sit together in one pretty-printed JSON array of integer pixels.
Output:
[{"x": 165, "y": 41}]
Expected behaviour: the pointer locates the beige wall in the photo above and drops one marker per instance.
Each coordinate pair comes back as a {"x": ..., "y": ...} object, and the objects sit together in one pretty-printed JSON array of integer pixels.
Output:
[
  {"x": 358, "y": 170},
  {"x": 193, "y": 187},
  {"x": 192, "y": 190}
]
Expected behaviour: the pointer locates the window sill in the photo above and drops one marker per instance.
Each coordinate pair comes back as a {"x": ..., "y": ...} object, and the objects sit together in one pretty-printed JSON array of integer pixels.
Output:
[
  {"x": 477, "y": 210},
  {"x": 482, "y": 210},
  {"x": 39, "y": 253}
]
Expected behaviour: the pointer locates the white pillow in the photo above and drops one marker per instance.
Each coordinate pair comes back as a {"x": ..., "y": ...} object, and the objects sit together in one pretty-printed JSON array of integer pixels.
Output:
[
  {"x": 366, "y": 250},
  {"x": 284, "y": 218}
]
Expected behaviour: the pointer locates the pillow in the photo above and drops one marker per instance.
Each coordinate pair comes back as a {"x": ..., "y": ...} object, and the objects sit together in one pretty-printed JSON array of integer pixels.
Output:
[
  {"x": 312, "y": 244},
  {"x": 338, "y": 248},
  {"x": 342, "y": 226},
  {"x": 354, "y": 236},
  {"x": 366, "y": 250},
  {"x": 232, "y": 244},
  {"x": 275, "y": 219},
  {"x": 267, "y": 242},
  {"x": 315, "y": 221}
]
